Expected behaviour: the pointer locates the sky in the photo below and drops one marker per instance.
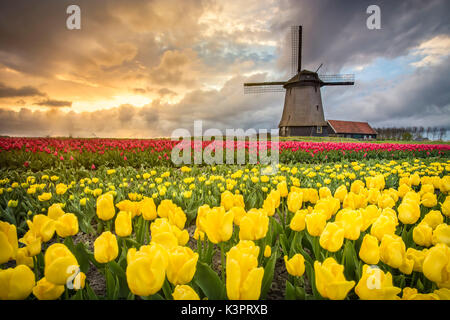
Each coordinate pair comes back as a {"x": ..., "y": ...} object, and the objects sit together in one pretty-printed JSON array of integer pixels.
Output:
[{"x": 141, "y": 69}]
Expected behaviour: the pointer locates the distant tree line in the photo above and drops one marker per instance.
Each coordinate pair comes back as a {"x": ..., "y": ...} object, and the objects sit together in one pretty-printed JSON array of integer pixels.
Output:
[{"x": 411, "y": 133}]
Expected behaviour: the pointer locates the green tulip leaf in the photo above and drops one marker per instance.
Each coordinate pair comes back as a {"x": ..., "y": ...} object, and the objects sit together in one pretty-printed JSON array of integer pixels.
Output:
[
  {"x": 209, "y": 282},
  {"x": 268, "y": 273}
]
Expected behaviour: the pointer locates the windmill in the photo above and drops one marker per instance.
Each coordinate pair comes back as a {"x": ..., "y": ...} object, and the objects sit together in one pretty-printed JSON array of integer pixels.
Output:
[{"x": 303, "y": 111}]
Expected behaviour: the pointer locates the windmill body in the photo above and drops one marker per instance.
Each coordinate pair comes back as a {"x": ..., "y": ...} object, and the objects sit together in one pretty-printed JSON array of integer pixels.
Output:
[{"x": 303, "y": 113}]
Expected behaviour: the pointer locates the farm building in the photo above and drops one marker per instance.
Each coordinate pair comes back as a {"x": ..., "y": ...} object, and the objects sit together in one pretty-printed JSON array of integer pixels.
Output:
[{"x": 351, "y": 129}]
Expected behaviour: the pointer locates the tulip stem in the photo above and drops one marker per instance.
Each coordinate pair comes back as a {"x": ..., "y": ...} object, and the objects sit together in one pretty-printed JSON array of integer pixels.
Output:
[{"x": 222, "y": 260}]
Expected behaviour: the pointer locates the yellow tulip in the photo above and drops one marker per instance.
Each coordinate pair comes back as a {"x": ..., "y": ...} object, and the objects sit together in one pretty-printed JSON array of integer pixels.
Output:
[
  {"x": 341, "y": 193},
  {"x": 46, "y": 290},
  {"x": 374, "y": 196},
  {"x": 298, "y": 221},
  {"x": 8, "y": 242},
  {"x": 351, "y": 221},
  {"x": 386, "y": 201},
  {"x": 429, "y": 200},
  {"x": 60, "y": 264},
  {"x": 445, "y": 206},
  {"x": 296, "y": 265},
  {"x": 356, "y": 186},
  {"x": 422, "y": 234},
  {"x": 376, "y": 182},
  {"x": 418, "y": 256},
  {"x": 184, "y": 292},
  {"x": 67, "y": 225},
  {"x": 22, "y": 257},
  {"x": 294, "y": 201},
  {"x": 315, "y": 222},
  {"x": 33, "y": 242},
  {"x": 45, "y": 196},
  {"x": 436, "y": 265},
  {"x": 369, "y": 215},
  {"x": 254, "y": 225},
  {"x": 243, "y": 276},
  {"x": 55, "y": 211},
  {"x": 79, "y": 281},
  {"x": 383, "y": 225},
  {"x": 324, "y": 192},
  {"x": 130, "y": 206},
  {"x": 167, "y": 209},
  {"x": 42, "y": 226},
  {"x": 229, "y": 200},
  {"x": 369, "y": 251},
  {"x": 329, "y": 206},
  {"x": 182, "y": 265},
  {"x": 122, "y": 224},
  {"x": 433, "y": 218},
  {"x": 105, "y": 247},
  {"x": 376, "y": 285},
  {"x": 330, "y": 280},
  {"x": 403, "y": 189},
  {"x": 282, "y": 188},
  {"x": 443, "y": 293},
  {"x": 441, "y": 234},
  {"x": 393, "y": 253},
  {"x": 167, "y": 235},
  {"x": 414, "y": 179},
  {"x": 332, "y": 236},
  {"x": 148, "y": 209},
  {"x": 238, "y": 214},
  {"x": 146, "y": 270},
  {"x": 267, "y": 251},
  {"x": 218, "y": 224},
  {"x": 16, "y": 283},
  {"x": 105, "y": 207}
]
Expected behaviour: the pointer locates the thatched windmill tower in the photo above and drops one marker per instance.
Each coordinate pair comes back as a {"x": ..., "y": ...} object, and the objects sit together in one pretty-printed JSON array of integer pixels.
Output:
[{"x": 303, "y": 110}]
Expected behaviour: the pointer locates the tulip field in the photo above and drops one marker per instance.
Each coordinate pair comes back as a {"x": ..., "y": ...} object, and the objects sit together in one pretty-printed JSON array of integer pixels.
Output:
[{"x": 89, "y": 219}]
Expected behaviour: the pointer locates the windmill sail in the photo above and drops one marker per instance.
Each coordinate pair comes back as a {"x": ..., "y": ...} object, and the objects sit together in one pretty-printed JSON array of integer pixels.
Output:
[
  {"x": 262, "y": 87},
  {"x": 337, "y": 79}
]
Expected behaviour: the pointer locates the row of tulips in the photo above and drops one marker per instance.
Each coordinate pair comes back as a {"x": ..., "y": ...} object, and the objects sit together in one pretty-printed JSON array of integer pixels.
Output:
[
  {"x": 39, "y": 153},
  {"x": 360, "y": 230}
]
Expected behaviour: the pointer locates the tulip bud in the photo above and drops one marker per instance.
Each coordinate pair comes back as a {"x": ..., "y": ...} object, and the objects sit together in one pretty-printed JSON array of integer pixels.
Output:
[
  {"x": 218, "y": 224},
  {"x": 243, "y": 277},
  {"x": 182, "y": 265},
  {"x": 60, "y": 264},
  {"x": 332, "y": 236},
  {"x": 254, "y": 225},
  {"x": 123, "y": 224},
  {"x": 8, "y": 242},
  {"x": 16, "y": 283},
  {"x": 376, "y": 285},
  {"x": 330, "y": 280},
  {"x": 298, "y": 220},
  {"x": 46, "y": 290},
  {"x": 369, "y": 251},
  {"x": 105, "y": 247},
  {"x": 105, "y": 207},
  {"x": 55, "y": 211},
  {"x": 67, "y": 225},
  {"x": 184, "y": 292},
  {"x": 422, "y": 234},
  {"x": 148, "y": 209},
  {"x": 296, "y": 265},
  {"x": 315, "y": 222}
]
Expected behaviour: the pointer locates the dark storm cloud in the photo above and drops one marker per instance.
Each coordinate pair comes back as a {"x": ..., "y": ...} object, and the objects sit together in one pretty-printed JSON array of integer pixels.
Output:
[
  {"x": 422, "y": 99},
  {"x": 54, "y": 103},
  {"x": 335, "y": 32},
  {"x": 25, "y": 91}
]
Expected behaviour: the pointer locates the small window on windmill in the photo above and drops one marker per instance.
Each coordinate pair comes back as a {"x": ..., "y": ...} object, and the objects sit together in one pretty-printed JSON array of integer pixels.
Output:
[
  {"x": 317, "y": 107},
  {"x": 319, "y": 129}
]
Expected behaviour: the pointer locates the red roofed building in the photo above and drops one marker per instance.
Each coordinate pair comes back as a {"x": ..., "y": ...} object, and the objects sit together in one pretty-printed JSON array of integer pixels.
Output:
[{"x": 351, "y": 129}]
